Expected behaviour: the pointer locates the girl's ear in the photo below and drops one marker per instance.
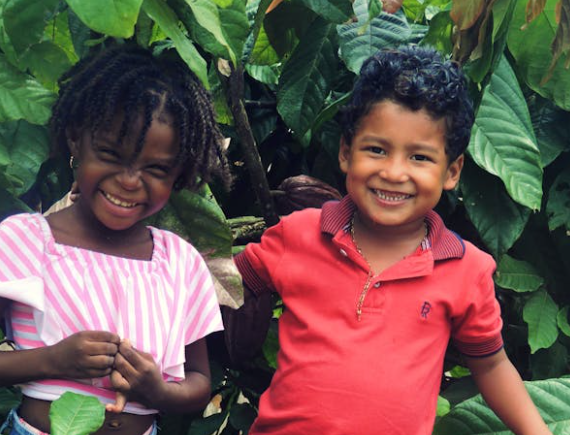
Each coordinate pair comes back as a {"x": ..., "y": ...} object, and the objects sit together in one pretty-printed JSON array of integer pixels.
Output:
[{"x": 72, "y": 136}]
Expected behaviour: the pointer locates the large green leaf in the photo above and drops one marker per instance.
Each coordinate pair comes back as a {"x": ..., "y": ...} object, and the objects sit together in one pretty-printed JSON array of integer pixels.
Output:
[
  {"x": 27, "y": 147},
  {"x": 161, "y": 13},
  {"x": 263, "y": 52},
  {"x": 550, "y": 126},
  {"x": 498, "y": 219},
  {"x": 110, "y": 17},
  {"x": 335, "y": 11},
  {"x": 76, "y": 414},
  {"x": 540, "y": 313},
  {"x": 517, "y": 275},
  {"x": 474, "y": 417},
  {"x": 206, "y": 14},
  {"x": 360, "y": 40},
  {"x": 530, "y": 45},
  {"x": 235, "y": 26},
  {"x": 21, "y": 97},
  {"x": 9, "y": 204},
  {"x": 562, "y": 320},
  {"x": 558, "y": 206},
  {"x": 307, "y": 78},
  {"x": 25, "y": 20},
  {"x": 502, "y": 139},
  {"x": 47, "y": 61}
]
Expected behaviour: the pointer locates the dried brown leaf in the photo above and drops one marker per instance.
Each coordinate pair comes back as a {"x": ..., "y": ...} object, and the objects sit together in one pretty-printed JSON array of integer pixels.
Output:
[
  {"x": 392, "y": 6},
  {"x": 561, "y": 43},
  {"x": 533, "y": 9},
  {"x": 465, "y": 13}
]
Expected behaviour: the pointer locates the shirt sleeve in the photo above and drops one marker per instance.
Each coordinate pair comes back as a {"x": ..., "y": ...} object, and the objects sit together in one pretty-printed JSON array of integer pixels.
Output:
[
  {"x": 259, "y": 261},
  {"x": 477, "y": 329},
  {"x": 22, "y": 250}
]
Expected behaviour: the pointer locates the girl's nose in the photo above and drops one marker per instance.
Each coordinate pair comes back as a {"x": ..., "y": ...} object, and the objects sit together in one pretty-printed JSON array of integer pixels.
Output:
[
  {"x": 130, "y": 179},
  {"x": 394, "y": 171}
]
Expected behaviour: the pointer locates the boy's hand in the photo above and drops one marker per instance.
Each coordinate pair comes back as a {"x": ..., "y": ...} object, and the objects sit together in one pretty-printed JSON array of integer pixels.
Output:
[
  {"x": 85, "y": 354},
  {"x": 138, "y": 377}
]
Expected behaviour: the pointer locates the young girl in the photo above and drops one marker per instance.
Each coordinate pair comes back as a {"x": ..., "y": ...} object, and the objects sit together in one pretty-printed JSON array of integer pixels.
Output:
[{"x": 97, "y": 302}]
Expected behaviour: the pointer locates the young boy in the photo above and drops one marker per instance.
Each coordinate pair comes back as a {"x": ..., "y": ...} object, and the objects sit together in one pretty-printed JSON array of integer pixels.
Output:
[{"x": 375, "y": 285}]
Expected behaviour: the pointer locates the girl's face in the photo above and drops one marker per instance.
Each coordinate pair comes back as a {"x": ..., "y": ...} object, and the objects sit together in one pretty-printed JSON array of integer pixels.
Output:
[{"x": 119, "y": 188}]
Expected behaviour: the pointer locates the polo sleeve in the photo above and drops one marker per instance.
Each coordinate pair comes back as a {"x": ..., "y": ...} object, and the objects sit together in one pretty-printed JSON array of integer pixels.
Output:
[
  {"x": 476, "y": 329},
  {"x": 258, "y": 263}
]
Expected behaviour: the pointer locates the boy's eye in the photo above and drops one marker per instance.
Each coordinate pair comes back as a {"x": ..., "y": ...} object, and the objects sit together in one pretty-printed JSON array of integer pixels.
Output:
[
  {"x": 421, "y": 158},
  {"x": 109, "y": 154},
  {"x": 375, "y": 150}
]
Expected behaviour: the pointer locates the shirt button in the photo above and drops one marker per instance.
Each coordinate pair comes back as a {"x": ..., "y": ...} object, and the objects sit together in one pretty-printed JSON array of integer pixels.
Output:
[
  {"x": 377, "y": 284},
  {"x": 343, "y": 253}
]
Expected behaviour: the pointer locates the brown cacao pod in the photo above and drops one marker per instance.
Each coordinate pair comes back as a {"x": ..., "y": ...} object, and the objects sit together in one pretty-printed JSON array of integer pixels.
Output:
[{"x": 302, "y": 191}]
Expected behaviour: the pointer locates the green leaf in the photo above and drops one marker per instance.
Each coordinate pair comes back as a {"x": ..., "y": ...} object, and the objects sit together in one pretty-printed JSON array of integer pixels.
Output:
[
  {"x": 271, "y": 348},
  {"x": 47, "y": 61},
  {"x": 25, "y": 20},
  {"x": 335, "y": 11},
  {"x": 27, "y": 147},
  {"x": 9, "y": 204},
  {"x": 160, "y": 12},
  {"x": 540, "y": 313},
  {"x": 76, "y": 414},
  {"x": 562, "y": 320},
  {"x": 235, "y": 26},
  {"x": 531, "y": 47},
  {"x": 263, "y": 52},
  {"x": 358, "y": 41},
  {"x": 307, "y": 78},
  {"x": 206, "y": 14},
  {"x": 111, "y": 17},
  {"x": 517, "y": 275},
  {"x": 498, "y": 219},
  {"x": 21, "y": 97},
  {"x": 558, "y": 205},
  {"x": 208, "y": 425},
  {"x": 443, "y": 406},
  {"x": 474, "y": 417},
  {"x": 550, "y": 126},
  {"x": 502, "y": 139},
  {"x": 439, "y": 32}
]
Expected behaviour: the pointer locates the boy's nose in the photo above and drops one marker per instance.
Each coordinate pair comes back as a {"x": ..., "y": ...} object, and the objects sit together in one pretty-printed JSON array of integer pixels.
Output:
[
  {"x": 129, "y": 178},
  {"x": 394, "y": 171}
]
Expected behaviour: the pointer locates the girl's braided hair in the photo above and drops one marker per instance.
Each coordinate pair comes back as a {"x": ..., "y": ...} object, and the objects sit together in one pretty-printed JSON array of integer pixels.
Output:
[
  {"x": 132, "y": 81},
  {"x": 417, "y": 78}
]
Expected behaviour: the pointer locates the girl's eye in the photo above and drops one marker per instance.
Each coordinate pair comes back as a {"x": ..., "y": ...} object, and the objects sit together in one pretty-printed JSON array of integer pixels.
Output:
[
  {"x": 159, "y": 170},
  {"x": 108, "y": 154}
]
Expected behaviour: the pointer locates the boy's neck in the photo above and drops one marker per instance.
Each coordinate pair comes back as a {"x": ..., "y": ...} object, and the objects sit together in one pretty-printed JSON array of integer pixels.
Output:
[{"x": 383, "y": 246}]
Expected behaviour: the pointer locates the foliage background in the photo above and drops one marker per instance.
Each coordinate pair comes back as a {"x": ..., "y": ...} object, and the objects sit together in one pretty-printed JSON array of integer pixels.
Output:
[{"x": 278, "y": 71}]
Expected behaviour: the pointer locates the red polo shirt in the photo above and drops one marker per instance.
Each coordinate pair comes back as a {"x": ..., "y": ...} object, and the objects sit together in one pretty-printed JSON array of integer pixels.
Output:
[{"x": 338, "y": 375}]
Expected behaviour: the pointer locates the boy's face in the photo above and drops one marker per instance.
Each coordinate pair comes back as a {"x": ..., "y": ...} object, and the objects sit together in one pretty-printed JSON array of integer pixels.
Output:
[{"x": 396, "y": 167}]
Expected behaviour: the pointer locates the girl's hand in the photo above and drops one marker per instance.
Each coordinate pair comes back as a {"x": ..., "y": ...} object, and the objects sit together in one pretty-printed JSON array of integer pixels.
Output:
[
  {"x": 136, "y": 376},
  {"x": 83, "y": 355}
]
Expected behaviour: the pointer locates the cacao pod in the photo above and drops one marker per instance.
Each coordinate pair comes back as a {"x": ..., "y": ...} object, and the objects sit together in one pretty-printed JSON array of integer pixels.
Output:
[{"x": 303, "y": 191}]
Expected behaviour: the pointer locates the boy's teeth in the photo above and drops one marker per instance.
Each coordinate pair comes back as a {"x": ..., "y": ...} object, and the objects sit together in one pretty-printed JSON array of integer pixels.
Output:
[
  {"x": 391, "y": 197},
  {"x": 118, "y": 201}
]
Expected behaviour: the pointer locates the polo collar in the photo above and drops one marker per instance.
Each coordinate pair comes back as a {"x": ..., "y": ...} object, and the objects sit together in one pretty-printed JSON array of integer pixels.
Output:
[{"x": 445, "y": 244}]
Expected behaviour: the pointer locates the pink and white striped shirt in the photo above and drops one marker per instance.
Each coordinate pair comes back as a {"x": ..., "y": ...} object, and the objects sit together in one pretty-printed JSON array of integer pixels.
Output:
[{"x": 57, "y": 290}]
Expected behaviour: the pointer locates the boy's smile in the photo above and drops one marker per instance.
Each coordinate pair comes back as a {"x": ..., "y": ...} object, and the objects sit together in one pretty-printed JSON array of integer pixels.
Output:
[{"x": 396, "y": 166}]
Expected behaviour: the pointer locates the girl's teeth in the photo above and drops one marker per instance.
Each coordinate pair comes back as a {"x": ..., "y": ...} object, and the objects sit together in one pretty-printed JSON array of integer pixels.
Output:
[
  {"x": 386, "y": 197},
  {"x": 118, "y": 201}
]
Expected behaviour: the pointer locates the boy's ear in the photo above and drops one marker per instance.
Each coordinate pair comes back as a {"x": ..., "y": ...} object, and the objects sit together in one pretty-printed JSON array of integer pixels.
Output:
[
  {"x": 453, "y": 173},
  {"x": 343, "y": 155}
]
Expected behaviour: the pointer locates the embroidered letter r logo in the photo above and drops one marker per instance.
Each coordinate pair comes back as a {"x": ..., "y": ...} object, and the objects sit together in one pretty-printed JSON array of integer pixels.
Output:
[{"x": 426, "y": 308}]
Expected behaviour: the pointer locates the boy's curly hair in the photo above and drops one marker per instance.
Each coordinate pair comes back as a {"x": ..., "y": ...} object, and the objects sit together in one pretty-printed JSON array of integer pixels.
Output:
[
  {"x": 130, "y": 80},
  {"x": 417, "y": 78}
]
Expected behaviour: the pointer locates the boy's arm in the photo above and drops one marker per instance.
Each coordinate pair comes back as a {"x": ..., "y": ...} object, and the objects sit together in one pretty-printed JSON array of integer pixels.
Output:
[{"x": 503, "y": 390}]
